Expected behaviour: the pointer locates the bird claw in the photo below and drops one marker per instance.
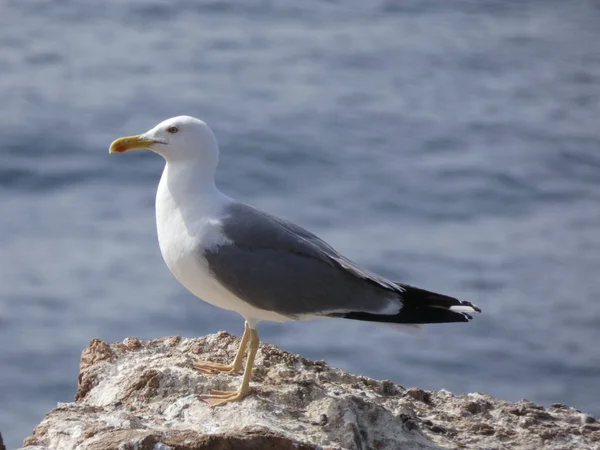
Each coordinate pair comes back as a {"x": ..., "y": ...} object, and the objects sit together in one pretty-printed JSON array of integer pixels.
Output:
[
  {"x": 216, "y": 393},
  {"x": 211, "y": 368},
  {"x": 218, "y": 398}
]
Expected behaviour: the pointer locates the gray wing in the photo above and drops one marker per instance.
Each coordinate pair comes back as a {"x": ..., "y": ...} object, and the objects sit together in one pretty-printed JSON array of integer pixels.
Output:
[{"x": 278, "y": 266}]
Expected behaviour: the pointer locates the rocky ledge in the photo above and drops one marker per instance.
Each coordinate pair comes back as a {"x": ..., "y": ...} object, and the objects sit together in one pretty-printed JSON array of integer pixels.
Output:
[{"x": 144, "y": 395}]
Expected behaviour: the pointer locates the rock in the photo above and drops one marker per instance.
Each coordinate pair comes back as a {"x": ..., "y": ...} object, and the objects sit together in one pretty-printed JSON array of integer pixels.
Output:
[
  {"x": 419, "y": 394},
  {"x": 144, "y": 395},
  {"x": 587, "y": 418}
]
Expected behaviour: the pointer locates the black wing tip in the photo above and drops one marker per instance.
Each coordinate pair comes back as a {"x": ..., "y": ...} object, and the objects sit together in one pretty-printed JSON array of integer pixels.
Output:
[
  {"x": 413, "y": 317},
  {"x": 476, "y": 308},
  {"x": 420, "y": 306},
  {"x": 435, "y": 299},
  {"x": 470, "y": 305}
]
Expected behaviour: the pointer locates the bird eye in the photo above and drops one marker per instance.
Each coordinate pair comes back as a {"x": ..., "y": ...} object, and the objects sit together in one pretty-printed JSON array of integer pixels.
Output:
[{"x": 172, "y": 130}]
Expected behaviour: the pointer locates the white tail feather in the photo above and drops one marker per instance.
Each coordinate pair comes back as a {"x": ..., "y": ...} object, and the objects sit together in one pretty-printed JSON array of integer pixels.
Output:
[{"x": 462, "y": 309}]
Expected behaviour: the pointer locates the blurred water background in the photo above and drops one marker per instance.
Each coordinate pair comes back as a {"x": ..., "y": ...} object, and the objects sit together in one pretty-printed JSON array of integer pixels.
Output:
[{"x": 451, "y": 145}]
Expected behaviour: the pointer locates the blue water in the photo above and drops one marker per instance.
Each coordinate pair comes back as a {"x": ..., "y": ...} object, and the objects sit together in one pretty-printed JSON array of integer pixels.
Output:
[{"x": 451, "y": 145}]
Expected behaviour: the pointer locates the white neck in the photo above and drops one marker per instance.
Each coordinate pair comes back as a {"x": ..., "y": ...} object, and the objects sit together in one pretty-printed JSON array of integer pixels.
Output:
[
  {"x": 184, "y": 178},
  {"x": 187, "y": 192}
]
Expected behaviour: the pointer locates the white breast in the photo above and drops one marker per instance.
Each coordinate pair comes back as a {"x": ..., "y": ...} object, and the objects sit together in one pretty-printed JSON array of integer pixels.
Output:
[{"x": 185, "y": 230}]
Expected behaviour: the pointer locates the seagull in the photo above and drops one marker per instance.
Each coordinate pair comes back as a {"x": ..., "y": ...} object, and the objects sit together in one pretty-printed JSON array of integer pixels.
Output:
[{"x": 242, "y": 259}]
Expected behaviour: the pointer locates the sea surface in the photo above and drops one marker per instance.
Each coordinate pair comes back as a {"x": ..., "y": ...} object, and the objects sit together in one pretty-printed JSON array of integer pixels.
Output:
[{"x": 450, "y": 145}]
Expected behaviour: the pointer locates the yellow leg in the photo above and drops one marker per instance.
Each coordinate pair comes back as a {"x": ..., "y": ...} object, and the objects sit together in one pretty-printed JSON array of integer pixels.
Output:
[
  {"x": 212, "y": 368},
  {"x": 216, "y": 398}
]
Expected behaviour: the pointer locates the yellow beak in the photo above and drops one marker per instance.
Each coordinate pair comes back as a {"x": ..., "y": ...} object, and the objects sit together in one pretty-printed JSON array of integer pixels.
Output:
[{"x": 127, "y": 143}]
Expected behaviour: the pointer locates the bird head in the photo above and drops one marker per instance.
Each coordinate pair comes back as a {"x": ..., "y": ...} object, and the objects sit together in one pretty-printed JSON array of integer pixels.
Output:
[{"x": 179, "y": 138}]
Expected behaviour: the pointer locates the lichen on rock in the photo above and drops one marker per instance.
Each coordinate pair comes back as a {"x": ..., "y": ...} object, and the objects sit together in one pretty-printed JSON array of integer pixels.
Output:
[{"x": 144, "y": 395}]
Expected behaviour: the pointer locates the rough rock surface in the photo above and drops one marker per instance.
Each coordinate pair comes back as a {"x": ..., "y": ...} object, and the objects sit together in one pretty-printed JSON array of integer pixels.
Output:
[{"x": 144, "y": 395}]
